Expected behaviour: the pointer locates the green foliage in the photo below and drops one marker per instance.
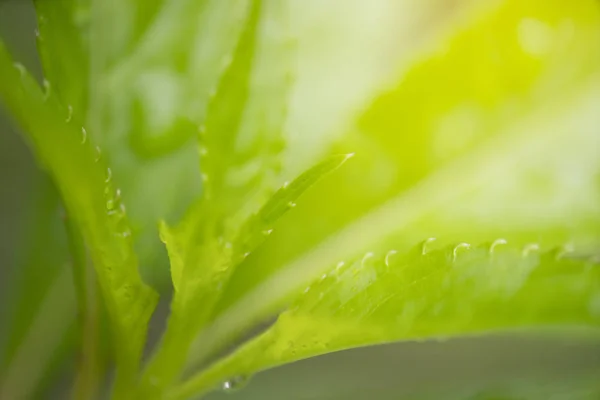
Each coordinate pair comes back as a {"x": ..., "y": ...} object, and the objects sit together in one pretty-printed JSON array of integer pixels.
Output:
[
  {"x": 463, "y": 148},
  {"x": 421, "y": 294},
  {"x": 92, "y": 202}
]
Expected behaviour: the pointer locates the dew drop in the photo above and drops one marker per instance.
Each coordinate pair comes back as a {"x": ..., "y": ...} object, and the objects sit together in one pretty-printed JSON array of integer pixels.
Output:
[
  {"x": 246, "y": 254},
  {"x": 234, "y": 384},
  {"x": 110, "y": 204},
  {"x": 98, "y": 154},
  {"x": 125, "y": 234},
  {"x": 562, "y": 251},
  {"x": 285, "y": 184},
  {"x": 464, "y": 246},
  {"x": 349, "y": 156},
  {"x": 424, "y": 245},
  {"x": 530, "y": 248},
  {"x": 340, "y": 265},
  {"x": 83, "y": 135},
  {"x": 69, "y": 113},
  {"x": 291, "y": 204},
  {"x": 19, "y": 67},
  {"x": 108, "y": 175},
  {"x": 267, "y": 232},
  {"x": 203, "y": 151},
  {"x": 497, "y": 242},
  {"x": 389, "y": 256},
  {"x": 366, "y": 258},
  {"x": 323, "y": 277},
  {"x": 46, "y": 85},
  {"x": 204, "y": 178}
]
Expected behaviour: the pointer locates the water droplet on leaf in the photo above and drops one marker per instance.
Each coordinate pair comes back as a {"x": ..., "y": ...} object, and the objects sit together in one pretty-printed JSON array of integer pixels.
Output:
[
  {"x": 562, "y": 251},
  {"x": 529, "y": 248},
  {"x": 46, "y": 85},
  {"x": 458, "y": 248},
  {"x": 69, "y": 113},
  {"x": 19, "y": 67},
  {"x": 235, "y": 383},
  {"x": 367, "y": 259},
  {"x": 497, "y": 242},
  {"x": 389, "y": 257},
  {"x": 425, "y": 245}
]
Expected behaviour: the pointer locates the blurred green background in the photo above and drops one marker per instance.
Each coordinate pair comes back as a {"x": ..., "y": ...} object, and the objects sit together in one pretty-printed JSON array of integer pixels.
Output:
[{"x": 357, "y": 47}]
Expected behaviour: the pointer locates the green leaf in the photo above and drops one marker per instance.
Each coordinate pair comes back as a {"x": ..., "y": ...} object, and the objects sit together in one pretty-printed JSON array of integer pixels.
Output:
[
  {"x": 85, "y": 185},
  {"x": 238, "y": 147},
  {"x": 424, "y": 293},
  {"x": 431, "y": 208},
  {"x": 39, "y": 261},
  {"x": 44, "y": 342},
  {"x": 242, "y": 136},
  {"x": 64, "y": 52},
  {"x": 506, "y": 177},
  {"x": 147, "y": 103},
  {"x": 43, "y": 307},
  {"x": 201, "y": 266},
  {"x": 260, "y": 225}
]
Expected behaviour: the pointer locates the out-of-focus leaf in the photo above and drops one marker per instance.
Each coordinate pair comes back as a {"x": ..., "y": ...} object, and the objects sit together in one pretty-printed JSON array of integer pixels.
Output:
[
  {"x": 42, "y": 344},
  {"x": 41, "y": 283},
  {"x": 424, "y": 293},
  {"x": 63, "y": 48},
  {"x": 91, "y": 201},
  {"x": 244, "y": 129}
]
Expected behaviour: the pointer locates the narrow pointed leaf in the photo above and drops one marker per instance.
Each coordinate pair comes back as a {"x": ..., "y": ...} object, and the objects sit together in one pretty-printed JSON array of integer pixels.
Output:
[
  {"x": 256, "y": 228},
  {"x": 85, "y": 184}
]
